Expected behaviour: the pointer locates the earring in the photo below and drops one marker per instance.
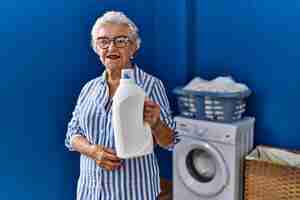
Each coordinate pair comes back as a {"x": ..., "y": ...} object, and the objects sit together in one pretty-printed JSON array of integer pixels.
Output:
[{"x": 131, "y": 57}]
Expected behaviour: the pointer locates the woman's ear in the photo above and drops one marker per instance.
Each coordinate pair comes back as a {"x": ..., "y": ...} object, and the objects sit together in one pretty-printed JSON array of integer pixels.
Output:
[{"x": 133, "y": 51}]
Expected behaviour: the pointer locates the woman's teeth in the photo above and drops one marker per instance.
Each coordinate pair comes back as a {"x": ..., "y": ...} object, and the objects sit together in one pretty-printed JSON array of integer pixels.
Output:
[{"x": 113, "y": 57}]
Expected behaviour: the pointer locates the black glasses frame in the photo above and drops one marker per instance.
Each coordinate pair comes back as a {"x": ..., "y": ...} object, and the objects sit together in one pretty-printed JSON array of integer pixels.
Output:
[{"x": 104, "y": 42}]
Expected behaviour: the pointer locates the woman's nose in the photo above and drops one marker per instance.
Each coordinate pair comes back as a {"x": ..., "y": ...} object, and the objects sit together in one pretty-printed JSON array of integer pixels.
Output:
[{"x": 111, "y": 45}]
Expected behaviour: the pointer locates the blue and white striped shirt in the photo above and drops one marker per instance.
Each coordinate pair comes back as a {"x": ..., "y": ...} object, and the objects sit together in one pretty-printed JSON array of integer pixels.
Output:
[{"x": 138, "y": 178}]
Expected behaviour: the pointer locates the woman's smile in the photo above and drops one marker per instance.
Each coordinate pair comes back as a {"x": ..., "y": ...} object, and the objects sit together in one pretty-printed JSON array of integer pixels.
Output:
[{"x": 113, "y": 56}]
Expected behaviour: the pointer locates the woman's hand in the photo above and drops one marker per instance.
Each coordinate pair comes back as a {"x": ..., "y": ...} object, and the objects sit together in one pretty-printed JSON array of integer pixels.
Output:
[
  {"x": 151, "y": 113},
  {"x": 105, "y": 157},
  {"x": 162, "y": 134}
]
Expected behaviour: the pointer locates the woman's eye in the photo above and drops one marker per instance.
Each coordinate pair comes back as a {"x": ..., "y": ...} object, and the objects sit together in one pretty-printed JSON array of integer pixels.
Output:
[
  {"x": 103, "y": 42},
  {"x": 120, "y": 40}
]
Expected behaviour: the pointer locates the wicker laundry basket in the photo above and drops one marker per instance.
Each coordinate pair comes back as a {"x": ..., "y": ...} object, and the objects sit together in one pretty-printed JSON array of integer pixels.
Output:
[{"x": 266, "y": 180}]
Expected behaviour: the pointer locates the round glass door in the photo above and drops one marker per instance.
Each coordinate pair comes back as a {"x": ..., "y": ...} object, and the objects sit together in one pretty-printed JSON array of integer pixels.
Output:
[{"x": 201, "y": 167}]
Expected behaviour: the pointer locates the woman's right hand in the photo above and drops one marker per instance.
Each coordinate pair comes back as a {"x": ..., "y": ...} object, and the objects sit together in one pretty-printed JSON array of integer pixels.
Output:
[{"x": 105, "y": 157}]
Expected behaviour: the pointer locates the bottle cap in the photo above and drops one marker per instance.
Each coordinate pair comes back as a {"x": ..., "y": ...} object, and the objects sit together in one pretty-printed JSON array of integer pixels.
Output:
[{"x": 127, "y": 74}]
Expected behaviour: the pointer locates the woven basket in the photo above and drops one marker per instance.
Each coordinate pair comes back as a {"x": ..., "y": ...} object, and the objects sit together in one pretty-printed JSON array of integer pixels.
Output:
[{"x": 265, "y": 180}]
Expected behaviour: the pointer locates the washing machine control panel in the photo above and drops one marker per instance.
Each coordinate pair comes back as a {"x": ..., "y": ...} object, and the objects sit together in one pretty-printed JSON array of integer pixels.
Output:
[{"x": 205, "y": 130}]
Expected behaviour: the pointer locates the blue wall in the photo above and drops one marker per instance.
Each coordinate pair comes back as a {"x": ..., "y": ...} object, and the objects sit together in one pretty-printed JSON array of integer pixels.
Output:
[
  {"x": 257, "y": 42},
  {"x": 46, "y": 59}
]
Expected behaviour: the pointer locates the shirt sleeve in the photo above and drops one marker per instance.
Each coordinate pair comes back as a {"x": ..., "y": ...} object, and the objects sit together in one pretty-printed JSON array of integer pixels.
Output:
[
  {"x": 159, "y": 96},
  {"x": 74, "y": 129}
]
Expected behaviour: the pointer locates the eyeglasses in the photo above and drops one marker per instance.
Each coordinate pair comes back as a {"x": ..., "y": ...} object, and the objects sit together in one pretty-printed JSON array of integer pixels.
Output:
[{"x": 119, "y": 42}]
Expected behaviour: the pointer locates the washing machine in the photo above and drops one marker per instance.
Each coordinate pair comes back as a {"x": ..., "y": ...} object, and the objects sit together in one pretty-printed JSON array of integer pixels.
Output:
[{"x": 208, "y": 160}]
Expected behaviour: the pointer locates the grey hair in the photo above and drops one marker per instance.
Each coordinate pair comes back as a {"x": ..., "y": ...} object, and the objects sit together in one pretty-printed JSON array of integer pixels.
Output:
[{"x": 114, "y": 17}]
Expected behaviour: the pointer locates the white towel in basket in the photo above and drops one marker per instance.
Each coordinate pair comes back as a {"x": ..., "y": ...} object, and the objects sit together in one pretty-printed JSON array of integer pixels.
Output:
[{"x": 219, "y": 84}]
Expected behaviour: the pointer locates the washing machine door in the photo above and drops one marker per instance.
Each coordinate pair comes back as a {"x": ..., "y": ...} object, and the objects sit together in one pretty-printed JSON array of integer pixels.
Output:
[{"x": 201, "y": 167}]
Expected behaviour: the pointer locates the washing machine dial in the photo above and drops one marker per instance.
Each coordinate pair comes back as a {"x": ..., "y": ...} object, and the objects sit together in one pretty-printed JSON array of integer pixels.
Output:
[{"x": 185, "y": 128}]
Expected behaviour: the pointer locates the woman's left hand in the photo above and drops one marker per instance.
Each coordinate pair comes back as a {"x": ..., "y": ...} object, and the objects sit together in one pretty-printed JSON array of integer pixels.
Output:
[{"x": 151, "y": 112}]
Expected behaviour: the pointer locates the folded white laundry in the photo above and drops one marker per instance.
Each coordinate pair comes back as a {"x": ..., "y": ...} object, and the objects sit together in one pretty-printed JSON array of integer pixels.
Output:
[
  {"x": 219, "y": 84},
  {"x": 276, "y": 156}
]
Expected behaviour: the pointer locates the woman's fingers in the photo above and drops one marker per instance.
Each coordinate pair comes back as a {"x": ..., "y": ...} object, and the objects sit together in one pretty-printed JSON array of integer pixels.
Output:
[
  {"x": 111, "y": 157},
  {"x": 150, "y": 103},
  {"x": 151, "y": 112},
  {"x": 148, "y": 117},
  {"x": 151, "y": 106},
  {"x": 108, "y": 164},
  {"x": 109, "y": 150},
  {"x": 111, "y": 154},
  {"x": 148, "y": 114},
  {"x": 148, "y": 109},
  {"x": 108, "y": 159}
]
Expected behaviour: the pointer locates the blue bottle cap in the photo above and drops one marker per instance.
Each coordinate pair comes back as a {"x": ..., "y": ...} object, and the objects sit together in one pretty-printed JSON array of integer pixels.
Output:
[{"x": 127, "y": 74}]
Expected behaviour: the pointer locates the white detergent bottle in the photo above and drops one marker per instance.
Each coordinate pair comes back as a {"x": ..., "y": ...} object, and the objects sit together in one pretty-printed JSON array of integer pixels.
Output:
[{"x": 133, "y": 136}]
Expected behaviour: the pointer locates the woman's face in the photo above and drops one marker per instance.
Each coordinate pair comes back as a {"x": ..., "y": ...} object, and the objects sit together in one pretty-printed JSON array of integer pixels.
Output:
[{"x": 114, "y": 56}]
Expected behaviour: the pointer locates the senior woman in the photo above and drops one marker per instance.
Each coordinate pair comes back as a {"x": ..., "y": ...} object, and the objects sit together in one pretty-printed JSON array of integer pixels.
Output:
[{"x": 104, "y": 176}]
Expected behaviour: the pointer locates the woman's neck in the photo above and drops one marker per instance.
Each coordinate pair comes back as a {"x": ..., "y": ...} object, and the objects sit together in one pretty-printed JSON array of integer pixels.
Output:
[{"x": 113, "y": 76}]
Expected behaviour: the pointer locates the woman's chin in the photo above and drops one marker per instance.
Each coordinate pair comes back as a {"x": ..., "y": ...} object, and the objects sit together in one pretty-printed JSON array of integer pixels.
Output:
[{"x": 113, "y": 66}]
